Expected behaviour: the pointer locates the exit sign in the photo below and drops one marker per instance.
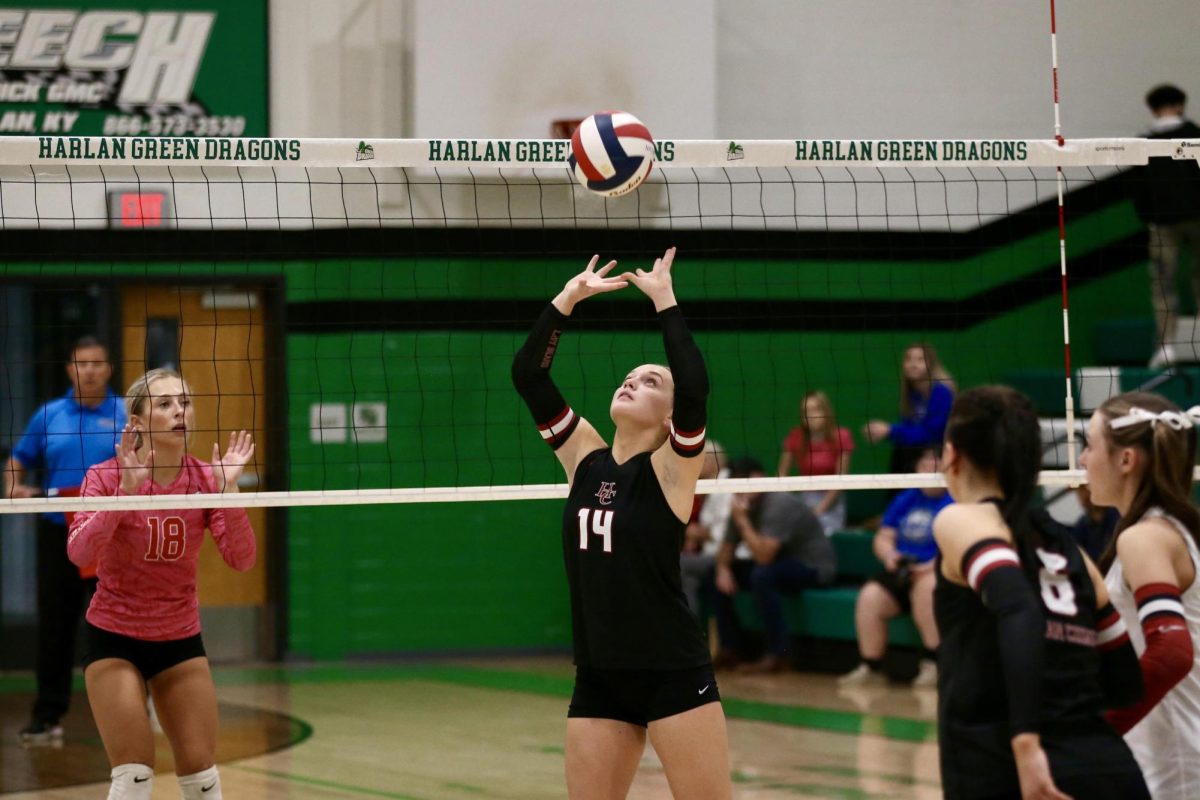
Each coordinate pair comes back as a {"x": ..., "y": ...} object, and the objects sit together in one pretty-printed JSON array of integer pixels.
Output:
[{"x": 139, "y": 210}]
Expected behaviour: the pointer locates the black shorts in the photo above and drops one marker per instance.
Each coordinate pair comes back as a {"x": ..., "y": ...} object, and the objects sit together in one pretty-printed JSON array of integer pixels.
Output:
[
  {"x": 641, "y": 696},
  {"x": 149, "y": 658},
  {"x": 898, "y": 586}
]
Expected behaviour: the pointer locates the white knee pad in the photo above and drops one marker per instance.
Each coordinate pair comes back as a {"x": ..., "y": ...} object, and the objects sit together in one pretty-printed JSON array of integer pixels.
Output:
[
  {"x": 131, "y": 782},
  {"x": 204, "y": 785}
]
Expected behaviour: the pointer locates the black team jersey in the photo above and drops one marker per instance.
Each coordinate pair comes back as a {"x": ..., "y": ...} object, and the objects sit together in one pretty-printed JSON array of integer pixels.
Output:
[
  {"x": 973, "y": 716},
  {"x": 621, "y": 544}
]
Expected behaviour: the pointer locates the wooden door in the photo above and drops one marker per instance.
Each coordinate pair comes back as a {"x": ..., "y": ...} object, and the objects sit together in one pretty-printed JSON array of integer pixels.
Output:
[{"x": 218, "y": 336}]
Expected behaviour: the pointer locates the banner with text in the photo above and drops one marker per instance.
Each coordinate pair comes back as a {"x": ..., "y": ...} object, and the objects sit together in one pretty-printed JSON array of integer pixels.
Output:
[
  {"x": 134, "y": 68},
  {"x": 547, "y": 153}
]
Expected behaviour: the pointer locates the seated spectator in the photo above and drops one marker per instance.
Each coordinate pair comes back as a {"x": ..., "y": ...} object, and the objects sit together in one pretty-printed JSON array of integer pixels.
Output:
[
  {"x": 789, "y": 553},
  {"x": 1095, "y": 526},
  {"x": 817, "y": 446},
  {"x": 906, "y": 548},
  {"x": 926, "y": 394},
  {"x": 702, "y": 538}
]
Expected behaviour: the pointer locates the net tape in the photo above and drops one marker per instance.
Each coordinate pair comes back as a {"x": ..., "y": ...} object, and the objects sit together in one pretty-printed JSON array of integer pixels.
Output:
[{"x": 36, "y": 151}]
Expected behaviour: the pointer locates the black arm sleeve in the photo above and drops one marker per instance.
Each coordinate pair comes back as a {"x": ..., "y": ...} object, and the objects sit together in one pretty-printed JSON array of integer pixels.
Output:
[
  {"x": 690, "y": 416},
  {"x": 531, "y": 377},
  {"x": 1020, "y": 631},
  {"x": 1120, "y": 671}
]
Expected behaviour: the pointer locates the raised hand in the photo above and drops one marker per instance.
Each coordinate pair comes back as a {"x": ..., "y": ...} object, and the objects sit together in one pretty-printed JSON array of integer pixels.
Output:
[
  {"x": 135, "y": 470},
  {"x": 656, "y": 284},
  {"x": 590, "y": 282},
  {"x": 228, "y": 468}
]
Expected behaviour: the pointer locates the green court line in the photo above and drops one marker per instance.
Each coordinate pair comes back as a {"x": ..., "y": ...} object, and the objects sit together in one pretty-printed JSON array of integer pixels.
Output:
[
  {"x": 341, "y": 787},
  {"x": 845, "y": 722}
]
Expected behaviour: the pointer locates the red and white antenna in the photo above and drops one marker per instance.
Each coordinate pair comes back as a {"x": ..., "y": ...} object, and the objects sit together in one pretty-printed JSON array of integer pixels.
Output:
[{"x": 1060, "y": 182}]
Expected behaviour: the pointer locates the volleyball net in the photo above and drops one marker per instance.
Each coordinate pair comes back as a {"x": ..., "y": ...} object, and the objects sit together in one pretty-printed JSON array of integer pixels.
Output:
[{"x": 356, "y": 303}]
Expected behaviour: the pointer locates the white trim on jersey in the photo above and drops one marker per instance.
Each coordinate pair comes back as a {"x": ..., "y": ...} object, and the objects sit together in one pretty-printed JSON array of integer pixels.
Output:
[
  {"x": 1111, "y": 633},
  {"x": 1161, "y": 605},
  {"x": 992, "y": 556},
  {"x": 558, "y": 427},
  {"x": 687, "y": 441}
]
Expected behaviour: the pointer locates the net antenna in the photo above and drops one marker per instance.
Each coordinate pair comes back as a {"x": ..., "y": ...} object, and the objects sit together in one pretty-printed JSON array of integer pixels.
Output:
[{"x": 1060, "y": 183}]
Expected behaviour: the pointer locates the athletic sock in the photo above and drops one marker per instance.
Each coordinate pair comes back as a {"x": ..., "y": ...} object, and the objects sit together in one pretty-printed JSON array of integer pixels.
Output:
[
  {"x": 131, "y": 782},
  {"x": 204, "y": 785},
  {"x": 929, "y": 654},
  {"x": 874, "y": 664}
]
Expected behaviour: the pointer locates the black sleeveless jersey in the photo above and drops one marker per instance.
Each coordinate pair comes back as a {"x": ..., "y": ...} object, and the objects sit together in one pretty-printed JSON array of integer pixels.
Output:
[
  {"x": 974, "y": 734},
  {"x": 621, "y": 544}
]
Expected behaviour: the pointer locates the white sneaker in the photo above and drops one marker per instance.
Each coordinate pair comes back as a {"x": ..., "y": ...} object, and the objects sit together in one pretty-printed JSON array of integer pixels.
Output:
[
  {"x": 1164, "y": 356},
  {"x": 862, "y": 675},
  {"x": 927, "y": 675},
  {"x": 40, "y": 734}
]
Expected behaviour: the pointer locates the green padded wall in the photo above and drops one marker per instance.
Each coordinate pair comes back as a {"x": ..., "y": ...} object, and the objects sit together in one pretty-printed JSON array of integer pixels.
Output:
[{"x": 446, "y": 577}]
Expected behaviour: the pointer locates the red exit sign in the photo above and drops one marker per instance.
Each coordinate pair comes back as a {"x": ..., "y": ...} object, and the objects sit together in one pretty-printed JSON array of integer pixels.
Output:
[{"x": 139, "y": 210}]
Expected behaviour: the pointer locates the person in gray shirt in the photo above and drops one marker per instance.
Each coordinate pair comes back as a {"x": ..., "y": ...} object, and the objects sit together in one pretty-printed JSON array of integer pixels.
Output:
[{"x": 787, "y": 551}]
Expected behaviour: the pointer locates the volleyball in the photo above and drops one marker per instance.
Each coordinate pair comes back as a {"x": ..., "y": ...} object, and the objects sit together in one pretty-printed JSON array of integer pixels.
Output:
[{"x": 611, "y": 153}]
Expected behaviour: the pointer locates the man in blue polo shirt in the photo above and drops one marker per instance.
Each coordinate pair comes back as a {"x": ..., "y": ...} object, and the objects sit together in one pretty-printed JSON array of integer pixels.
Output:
[{"x": 63, "y": 438}]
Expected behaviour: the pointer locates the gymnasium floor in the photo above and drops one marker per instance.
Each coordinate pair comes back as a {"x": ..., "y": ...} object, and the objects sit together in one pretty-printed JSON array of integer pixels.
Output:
[{"x": 471, "y": 729}]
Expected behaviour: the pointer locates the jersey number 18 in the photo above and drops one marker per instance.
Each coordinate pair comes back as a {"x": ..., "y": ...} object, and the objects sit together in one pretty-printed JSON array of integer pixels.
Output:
[
  {"x": 601, "y": 525},
  {"x": 168, "y": 537}
]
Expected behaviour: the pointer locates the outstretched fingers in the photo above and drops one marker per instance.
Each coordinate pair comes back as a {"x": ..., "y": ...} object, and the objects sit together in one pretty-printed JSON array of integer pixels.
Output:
[
  {"x": 603, "y": 271},
  {"x": 667, "y": 259},
  {"x": 591, "y": 267},
  {"x": 610, "y": 284}
]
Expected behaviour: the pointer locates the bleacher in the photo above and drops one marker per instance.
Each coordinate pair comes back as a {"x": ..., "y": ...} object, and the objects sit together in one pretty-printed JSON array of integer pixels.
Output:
[{"x": 828, "y": 613}]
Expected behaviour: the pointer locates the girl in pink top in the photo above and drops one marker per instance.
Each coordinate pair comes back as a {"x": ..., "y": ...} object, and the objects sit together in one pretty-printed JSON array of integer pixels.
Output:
[
  {"x": 817, "y": 446},
  {"x": 143, "y": 625}
]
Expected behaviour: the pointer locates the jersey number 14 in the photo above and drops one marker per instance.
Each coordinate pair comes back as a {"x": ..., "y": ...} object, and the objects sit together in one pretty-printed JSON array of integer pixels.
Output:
[{"x": 601, "y": 525}]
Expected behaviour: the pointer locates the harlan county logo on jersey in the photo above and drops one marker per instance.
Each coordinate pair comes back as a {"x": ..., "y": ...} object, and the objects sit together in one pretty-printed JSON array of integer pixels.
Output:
[{"x": 608, "y": 490}]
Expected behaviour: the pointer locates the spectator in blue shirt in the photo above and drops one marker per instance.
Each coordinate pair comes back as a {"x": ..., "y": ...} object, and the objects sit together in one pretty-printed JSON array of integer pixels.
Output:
[
  {"x": 926, "y": 394},
  {"x": 63, "y": 438},
  {"x": 906, "y": 548}
]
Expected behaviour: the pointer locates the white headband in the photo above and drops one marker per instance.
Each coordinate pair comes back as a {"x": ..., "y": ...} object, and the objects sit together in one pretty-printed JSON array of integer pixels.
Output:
[{"x": 1177, "y": 420}]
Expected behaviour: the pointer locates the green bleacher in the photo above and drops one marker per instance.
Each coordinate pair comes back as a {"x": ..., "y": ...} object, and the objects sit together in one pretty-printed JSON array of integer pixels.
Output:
[{"x": 828, "y": 613}]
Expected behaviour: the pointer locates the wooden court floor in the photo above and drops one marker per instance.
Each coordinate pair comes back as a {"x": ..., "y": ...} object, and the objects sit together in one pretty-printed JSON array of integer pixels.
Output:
[{"x": 472, "y": 729}]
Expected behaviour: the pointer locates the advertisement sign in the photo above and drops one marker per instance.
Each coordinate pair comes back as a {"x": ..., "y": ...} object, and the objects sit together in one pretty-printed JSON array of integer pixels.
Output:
[{"x": 134, "y": 68}]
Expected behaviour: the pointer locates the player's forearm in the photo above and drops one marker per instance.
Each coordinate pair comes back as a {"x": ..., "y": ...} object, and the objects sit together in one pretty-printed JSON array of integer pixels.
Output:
[
  {"x": 91, "y": 531},
  {"x": 993, "y": 570},
  {"x": 234, "y": 536},
  {"x": 664, "y": 299},
  {"x": 531, "y": 378},
  {"x": 690, "y": 413},
  {"x": 564, "y": 302}
]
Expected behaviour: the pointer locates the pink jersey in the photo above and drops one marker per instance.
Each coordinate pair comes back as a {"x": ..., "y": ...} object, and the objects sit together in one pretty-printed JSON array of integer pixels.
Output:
[{"x": 147, "y": 559}]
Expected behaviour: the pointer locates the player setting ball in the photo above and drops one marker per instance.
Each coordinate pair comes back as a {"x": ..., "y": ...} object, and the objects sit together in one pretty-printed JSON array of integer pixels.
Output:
[{"x": 611, "y": 153}]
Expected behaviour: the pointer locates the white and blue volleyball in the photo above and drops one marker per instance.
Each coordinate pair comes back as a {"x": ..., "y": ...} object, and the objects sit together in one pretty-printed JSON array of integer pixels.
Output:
[{"x": 611, "y": 153}]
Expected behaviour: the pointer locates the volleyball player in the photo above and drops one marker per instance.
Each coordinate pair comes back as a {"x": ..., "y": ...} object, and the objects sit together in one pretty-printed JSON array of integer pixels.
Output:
[
  {"x": 1032, "y": 651},
  {"x": 641, "y": 661},
  {"x": 1140, "y": 454},
  {"x": 143, "y": 625}
]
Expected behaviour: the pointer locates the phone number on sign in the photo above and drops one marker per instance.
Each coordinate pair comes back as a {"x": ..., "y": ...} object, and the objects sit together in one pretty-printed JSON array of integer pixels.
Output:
[{"x": 172, "y": 125}]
